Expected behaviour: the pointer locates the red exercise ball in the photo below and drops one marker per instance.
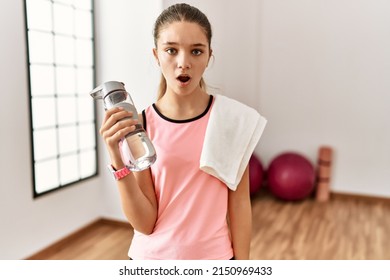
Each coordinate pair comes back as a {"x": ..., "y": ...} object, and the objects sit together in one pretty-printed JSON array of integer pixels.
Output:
[
  {"x": 256, "y": 173},
  {"x": 291, "y": 176}
]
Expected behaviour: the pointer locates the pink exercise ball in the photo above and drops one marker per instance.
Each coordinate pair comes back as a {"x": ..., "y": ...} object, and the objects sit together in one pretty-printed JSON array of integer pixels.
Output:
[
  {"x": 256, "y": 173},
  {"x": 291, "y": 177}
]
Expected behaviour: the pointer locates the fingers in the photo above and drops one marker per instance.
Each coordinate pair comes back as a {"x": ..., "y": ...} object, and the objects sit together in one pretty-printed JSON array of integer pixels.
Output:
[
  {"x": 117, "y": 123},
  {"x": 114, "y": 115}
]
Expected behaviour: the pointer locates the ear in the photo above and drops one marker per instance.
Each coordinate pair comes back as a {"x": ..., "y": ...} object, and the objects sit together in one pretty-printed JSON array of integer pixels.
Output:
[
  {"x": 210, "y": 55},
  {"x": 155, "y": 54}
]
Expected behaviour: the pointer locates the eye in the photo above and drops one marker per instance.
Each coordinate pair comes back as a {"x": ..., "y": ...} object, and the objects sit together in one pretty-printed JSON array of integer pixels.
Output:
[
  {"x": 171, "y": 51},
  {"x": 197, "y": 52}
]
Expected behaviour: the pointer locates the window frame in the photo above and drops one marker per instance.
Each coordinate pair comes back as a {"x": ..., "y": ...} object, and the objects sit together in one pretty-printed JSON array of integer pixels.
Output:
[{"x": 56, "y": 96}]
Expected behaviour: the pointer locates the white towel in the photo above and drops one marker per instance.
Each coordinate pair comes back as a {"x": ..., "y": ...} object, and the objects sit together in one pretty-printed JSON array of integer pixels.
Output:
[{"x": 232, "y": 134}]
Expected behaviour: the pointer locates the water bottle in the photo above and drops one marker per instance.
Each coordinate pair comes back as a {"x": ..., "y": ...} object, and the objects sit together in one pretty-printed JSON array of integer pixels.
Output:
[{"x": 137, "y": 151}]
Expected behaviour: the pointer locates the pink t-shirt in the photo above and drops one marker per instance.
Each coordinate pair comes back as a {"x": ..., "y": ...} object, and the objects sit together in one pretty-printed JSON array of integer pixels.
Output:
[{"x": 192, "y": 205}]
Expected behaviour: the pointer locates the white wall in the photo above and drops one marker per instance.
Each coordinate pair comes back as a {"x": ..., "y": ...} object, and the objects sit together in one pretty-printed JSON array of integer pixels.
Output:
[
  {"x": 324, "y": 79},
  {"x": 28, "y": 225}
]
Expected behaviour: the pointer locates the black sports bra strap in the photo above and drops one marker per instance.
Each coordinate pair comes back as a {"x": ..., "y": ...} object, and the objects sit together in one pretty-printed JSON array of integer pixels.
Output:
[{"x": 144, "y": 119}]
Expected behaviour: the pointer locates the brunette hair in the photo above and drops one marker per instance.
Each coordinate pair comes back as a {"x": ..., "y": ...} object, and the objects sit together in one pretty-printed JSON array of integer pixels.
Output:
[{"x": 175, "y": 13}]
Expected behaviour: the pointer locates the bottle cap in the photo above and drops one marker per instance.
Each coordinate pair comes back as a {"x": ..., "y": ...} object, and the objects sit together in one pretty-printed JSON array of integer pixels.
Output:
[{"x": 101, "y": 91}]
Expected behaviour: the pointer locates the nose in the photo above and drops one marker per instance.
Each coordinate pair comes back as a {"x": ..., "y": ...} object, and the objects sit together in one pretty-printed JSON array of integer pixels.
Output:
[{"x": 183, "y": 61}]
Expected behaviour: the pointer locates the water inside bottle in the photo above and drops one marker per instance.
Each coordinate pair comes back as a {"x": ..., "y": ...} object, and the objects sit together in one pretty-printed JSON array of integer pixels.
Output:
[{"x": 137, "y": 154}]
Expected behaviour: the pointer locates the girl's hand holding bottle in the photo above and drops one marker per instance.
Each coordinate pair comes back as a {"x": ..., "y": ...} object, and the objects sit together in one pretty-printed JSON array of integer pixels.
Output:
[{"x": 117, "y": 123}]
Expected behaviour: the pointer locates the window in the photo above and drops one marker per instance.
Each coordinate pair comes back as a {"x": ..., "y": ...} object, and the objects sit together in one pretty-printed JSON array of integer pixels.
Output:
[{"x": 61, "y": 74}]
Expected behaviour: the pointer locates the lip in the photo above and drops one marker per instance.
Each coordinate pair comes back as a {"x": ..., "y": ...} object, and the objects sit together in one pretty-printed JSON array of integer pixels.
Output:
[{"x": 182, "y": 82}]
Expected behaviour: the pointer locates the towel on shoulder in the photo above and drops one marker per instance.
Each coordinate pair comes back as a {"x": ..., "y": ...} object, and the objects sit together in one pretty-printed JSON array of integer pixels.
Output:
[{"x": 232, "y": 134}]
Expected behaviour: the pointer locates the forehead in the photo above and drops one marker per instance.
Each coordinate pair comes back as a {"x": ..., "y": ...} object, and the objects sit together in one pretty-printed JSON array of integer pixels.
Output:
[{"x": 186, "y": 33}]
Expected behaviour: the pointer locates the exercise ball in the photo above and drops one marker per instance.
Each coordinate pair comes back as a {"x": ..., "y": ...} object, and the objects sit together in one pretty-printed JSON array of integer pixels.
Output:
[
  {"x": 291, "y": 176},
  {"x": 256, "y": 173}
]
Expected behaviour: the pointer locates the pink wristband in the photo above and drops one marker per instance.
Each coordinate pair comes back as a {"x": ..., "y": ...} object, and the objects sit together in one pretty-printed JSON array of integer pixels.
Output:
[{"x": 121, "y": 173}]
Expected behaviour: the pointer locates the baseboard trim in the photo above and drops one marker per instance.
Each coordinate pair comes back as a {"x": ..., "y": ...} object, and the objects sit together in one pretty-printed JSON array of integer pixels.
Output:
[
  {"x": 62, "y": 243},
  {"x": 367, "y": 198}
]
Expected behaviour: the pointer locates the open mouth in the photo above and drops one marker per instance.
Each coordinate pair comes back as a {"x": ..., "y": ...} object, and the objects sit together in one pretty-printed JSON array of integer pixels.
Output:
[{"x": 183, "y": 78}]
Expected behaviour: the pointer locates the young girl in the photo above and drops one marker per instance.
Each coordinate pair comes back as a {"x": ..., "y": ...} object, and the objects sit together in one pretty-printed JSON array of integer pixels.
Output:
[{"x": 177, "y": 210}]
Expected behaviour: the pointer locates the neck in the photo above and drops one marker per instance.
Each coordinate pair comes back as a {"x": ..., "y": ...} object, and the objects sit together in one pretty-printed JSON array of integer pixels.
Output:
[{"x": 181, "y": 107}]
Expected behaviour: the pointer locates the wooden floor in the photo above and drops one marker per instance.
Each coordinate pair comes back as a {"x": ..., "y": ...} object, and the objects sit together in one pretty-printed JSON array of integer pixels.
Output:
[
  {"x": 102, "y": 240},
  {"x": 343, "y": 228},
  {"x": 350, "y": 228}
]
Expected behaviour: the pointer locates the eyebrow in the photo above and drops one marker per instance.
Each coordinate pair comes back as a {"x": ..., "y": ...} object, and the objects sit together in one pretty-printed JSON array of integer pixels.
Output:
[{"x": 193, "y": 45}]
